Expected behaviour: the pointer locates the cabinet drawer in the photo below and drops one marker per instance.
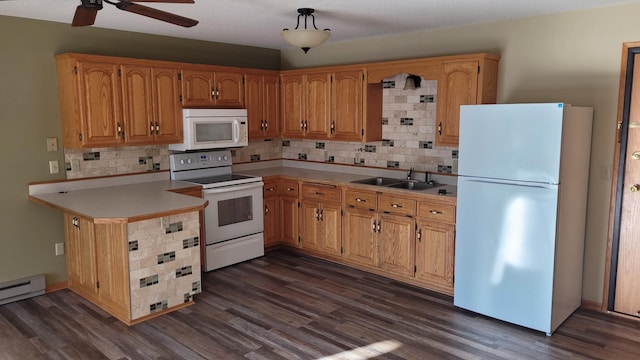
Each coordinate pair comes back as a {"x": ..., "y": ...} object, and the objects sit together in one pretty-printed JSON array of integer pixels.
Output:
[
  {"x": 321, "y": 192},
  {"x": 396, "y": 205},
  {"x": 270, "y": 188},
  {"x": 438, "y": 212},
  {"x": 360, "y": 199},
  {"x": 289, "y": 188}
]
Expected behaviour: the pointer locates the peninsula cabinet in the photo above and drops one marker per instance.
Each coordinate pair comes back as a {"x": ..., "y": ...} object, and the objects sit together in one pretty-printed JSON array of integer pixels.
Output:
[
  {"x": 262, "y": 98},
  {"x": 204, "y": 86},
  {"x": 134, "y": 270},
  {"x": 111, "y": 102}
]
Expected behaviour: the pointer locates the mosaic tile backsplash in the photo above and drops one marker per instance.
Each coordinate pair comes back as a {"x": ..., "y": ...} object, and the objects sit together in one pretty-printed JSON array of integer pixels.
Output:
[
  {"x": 408, "y": 131},
  {"x": 161, "y": 266}
]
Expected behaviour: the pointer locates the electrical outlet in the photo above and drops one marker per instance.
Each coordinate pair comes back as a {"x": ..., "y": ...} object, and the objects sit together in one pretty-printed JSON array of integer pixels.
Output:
[
  {"x": 59, "y": 249},
  {"x": 75, "y": 165},
  {"x": 53, "y": 167},
  {"x": 605, "y": 172}
]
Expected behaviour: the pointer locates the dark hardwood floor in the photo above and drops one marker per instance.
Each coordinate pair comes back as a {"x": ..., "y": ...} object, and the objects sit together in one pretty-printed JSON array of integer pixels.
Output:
[{"x": 287, "y": 306}]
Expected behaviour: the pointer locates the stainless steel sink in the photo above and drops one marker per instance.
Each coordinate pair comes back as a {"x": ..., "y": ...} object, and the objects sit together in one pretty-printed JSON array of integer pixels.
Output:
[
  {"x": 398, "y": 183},
  {"x": 415, "y": 185},
  {"x": 380, "y": 181}
]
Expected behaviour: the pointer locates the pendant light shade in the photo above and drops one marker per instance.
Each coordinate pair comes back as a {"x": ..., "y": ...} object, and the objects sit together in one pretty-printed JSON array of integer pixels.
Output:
[{"x": 307, "y": 37}]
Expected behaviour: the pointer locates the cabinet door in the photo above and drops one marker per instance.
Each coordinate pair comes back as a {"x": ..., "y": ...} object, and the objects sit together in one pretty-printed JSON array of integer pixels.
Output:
[
  {"x": 271, "y": 221},
  {"x": 317, "y": 106},
  {"x": 397, "y": 239},
  {"x": 346, "y": 105},
  {"x": 330, "y": 229},
  {"x": 309, "y": 225},
  {"x": 435, "y": 253},
  {"x": 197, "y": 88},
  {"x": 167, "y": 110},
  {"x": 229, "y": 90},
  {"x": 100, "y": 104},
  {"x": 81, "y": 255},
  {"x": 137, "y": 104},
  {"x": 360, "y": 238},
  {"x": 271, "y": 105},
  {"x": 457, "y": 85},
  {"x": 112, "y": 254},
  {"x": 254, "y": 102},
  {"x": 292, "y": 106},
  {"x": 289, "y": 216}
]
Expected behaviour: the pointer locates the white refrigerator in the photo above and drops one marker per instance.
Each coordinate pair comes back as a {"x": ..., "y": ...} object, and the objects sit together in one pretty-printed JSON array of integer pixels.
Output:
[{"x": 523, "y": 173}]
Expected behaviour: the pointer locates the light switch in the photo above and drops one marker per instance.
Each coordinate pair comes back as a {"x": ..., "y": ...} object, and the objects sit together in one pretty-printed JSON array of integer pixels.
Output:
[
  {"x": 53, "y": 167},
  {"x": 52, "y": 144}
]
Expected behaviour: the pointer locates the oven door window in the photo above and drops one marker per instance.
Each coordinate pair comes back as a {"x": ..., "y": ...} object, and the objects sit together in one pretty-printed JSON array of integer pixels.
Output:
[
  {"x": 206, "y": 132},
  {"x": 234, "y": 211}
]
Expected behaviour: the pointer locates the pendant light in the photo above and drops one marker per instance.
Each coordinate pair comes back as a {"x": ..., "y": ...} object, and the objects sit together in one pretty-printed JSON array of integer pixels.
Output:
[{"x": 308, "y": 37}]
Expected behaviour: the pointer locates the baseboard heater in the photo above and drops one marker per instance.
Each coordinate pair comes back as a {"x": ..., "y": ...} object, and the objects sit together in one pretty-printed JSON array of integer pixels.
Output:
[{"x": 20, "y": 289}]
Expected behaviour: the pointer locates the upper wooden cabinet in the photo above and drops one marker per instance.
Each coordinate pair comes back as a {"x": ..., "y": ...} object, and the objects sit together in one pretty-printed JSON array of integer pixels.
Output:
[
  {"x": 114, "y": 102},
  {"x": 462, "y": 82},
  {"x": 305, "y": 105},
  {"x": 262, "y": 99},
  {"x": 207, "y": 87}
]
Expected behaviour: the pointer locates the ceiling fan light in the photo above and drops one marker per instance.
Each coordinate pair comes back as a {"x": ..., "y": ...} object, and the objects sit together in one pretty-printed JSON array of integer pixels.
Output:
[{"x": 305, "y": 38}]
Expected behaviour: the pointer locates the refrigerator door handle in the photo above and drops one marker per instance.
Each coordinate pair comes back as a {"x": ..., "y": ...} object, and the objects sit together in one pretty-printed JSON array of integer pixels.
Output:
[{"x": 509, "y": 182}]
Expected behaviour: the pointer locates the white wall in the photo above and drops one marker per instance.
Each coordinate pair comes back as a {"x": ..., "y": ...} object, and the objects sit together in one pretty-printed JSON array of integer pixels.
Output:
[{"x": 572, "y": 57}]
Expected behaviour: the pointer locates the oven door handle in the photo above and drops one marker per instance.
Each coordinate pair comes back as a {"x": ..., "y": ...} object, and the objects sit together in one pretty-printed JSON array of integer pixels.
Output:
[{"x": 233, "y": 188}]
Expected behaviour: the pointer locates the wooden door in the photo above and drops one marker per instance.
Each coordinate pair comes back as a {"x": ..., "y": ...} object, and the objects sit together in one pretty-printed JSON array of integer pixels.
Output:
[
  {"x": 627, "y": 281},
  {"x": 271, "y": 105},
  {"x": 81, "y": 255},
  {"x": 347, "y": 105},
  {"x": 330, "y": 226},
  {"x": 167, "y": 110},
  {"x": 289, "y": 216},
  {"x": 317, "y": 109},
  {"x": 360, "y": 238},
  {"x": 137, "y": 104},
  {"x": 396, "y": 244},
  {"x": 112, "y": 264},
  {"x": 435, "y": 253},
  {"x": 255, "y": 105},
  {"x": 291, "y": 91},
  {"x": 197, "y": 88},
  {"x": 271, "y": 221},
  {"x": 309, "y": 225},
  {"x": 457, "y": 85},
  {"x": 100, "y": 104},
  {"x": 229, "y": 91}
]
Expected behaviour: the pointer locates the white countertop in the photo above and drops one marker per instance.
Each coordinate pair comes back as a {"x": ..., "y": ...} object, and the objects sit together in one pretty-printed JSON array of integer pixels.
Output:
[{"x": 125, "y": 201}]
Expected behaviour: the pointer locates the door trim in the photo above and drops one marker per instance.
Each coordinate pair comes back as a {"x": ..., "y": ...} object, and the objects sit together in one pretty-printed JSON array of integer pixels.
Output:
[{"x": 629, "y": 50}]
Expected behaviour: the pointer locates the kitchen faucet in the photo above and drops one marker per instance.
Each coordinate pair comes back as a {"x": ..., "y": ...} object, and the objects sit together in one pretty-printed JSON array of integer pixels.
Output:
[{"x": 410, "y": 173}]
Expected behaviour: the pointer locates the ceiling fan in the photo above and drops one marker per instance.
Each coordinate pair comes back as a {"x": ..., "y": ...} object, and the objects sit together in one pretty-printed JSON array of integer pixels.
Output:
[{"x": 86, "y": 12}]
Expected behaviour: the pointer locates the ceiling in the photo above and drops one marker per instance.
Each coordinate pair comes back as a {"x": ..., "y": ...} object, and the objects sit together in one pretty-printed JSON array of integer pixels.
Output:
[{"x": 259, "y": 22}]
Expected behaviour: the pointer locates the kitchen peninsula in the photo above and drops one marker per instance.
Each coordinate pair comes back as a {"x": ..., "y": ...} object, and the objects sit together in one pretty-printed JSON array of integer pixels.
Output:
[{"x": 132, "y": 244}]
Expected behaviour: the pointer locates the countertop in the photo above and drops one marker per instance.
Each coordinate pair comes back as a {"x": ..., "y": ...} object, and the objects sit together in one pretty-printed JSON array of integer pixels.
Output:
[{"x": 124, "y": 202}]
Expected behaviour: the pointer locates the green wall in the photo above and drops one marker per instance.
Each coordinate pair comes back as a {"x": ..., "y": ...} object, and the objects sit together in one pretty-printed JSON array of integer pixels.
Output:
[
  {"x": 572, "y": 57},
  {"x": 29, "y": 113}
]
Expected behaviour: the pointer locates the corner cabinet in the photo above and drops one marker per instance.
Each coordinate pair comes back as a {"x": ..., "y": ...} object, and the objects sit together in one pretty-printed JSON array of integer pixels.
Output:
[
  {"x": 108, "y": 101},
  {"x": 462, "y": 82},
  {"x": 134, "y": 270}
]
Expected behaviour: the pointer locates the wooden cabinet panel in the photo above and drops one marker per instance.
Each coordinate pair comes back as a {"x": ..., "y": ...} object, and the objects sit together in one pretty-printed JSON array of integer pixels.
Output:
[
  {"x": 112, "y": 251},
  {"x": 457, "y": 85},
  {"x": 137, "y": 104},
  {"x": 321, "y": 192},
  {"x": 262, "y": 102},
  {"x": 360, "y": 199},
  {"x": 347, "y": 105},
  {"x": 437, "y": 212},
  {"x": 330, "y": 226},
  {"x": 288, "y": 188},
  {"x": 292, "y": 99},
  {"x": 309, "y": 225},
  {"x": 289, "y": 216},
  {"x": 167, "y": 109},
  {"x": 435, "y": 248},
  {"x": 81, "y": 259},
  {"x": 271, "y": 221},
  {"x": 229, "y": 89},
  {"x": 397, "y": 241},
  {"x": 360, "y": 237},
  {"x": 317, "y": 110},
  {"x": 396, "y": 205},
  {"x": 201, "y": 88}
]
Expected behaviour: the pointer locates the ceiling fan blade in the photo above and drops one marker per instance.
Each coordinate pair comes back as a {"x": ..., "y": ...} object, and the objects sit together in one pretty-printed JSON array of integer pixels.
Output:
[
  {"x": 156, "y": 14},
  {"x": 84, "y": 16}
]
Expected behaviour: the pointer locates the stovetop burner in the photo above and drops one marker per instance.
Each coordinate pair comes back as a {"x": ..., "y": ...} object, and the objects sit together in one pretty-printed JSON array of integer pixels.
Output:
[{"x": 219, "y": 178}]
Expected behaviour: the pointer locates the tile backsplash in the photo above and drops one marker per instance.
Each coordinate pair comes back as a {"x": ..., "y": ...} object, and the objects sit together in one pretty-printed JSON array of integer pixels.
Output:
[{"x": 408, "y": 131}]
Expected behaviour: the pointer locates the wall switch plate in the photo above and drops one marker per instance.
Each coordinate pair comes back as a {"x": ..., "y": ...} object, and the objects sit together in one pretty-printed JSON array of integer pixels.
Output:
[
  {"x": 59, "y": 249},
  {"x": 75, "y": 165},
  {"x": 52, "y": 144},
  {"x": 53, "y": 167}
]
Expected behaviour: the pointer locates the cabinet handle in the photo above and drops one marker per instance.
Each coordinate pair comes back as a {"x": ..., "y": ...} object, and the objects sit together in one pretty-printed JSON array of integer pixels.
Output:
[
  {"x": 379, "y": 225},
  {"x": 152, "y": 127},
  {"x": 302, "y": 125},
  {"x": 218, "y": 91},
  {"x": 321, "y": 215},
  {"x": 119, "y": 129},
  {"x": 306, "y": 125},
  {"x": 157, "y": 128},
  {"x": 266, "y": 124},
  {"x": 317, "y": 214},
  {"x": 396, "y": 206},
  {"x": 213, "y": 92},
  {"x": 266, "y": 209},
  {"x": 635, "y": 155},
  {"x": 271, "y": 189},
  {"x": 290, "y": 189},
  {"x": 635, "y": 188},
  {"x": 419, "y": 235},
  {"x": 319, "y": 193},
  {"x": 373, "y": 226},
  {"x": 440, "y": 128},
  {"x": 333, "y": 127},
  {"x": 435, "y": 212},
  {"x": 361, "y": 200}
]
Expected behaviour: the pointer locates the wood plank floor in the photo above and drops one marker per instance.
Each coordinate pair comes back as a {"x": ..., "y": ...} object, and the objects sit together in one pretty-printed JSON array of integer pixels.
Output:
[{"x": 288, "y": 306}]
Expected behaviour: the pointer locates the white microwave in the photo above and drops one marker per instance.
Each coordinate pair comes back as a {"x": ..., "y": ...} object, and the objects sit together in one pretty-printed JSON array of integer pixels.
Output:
[{"x": 213, "y": 129}]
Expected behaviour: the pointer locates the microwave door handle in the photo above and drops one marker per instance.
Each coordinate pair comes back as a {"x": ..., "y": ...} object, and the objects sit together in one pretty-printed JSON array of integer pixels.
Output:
[
  {"x": 236, "y": 132},
  {"x": 232, "y": 188}
]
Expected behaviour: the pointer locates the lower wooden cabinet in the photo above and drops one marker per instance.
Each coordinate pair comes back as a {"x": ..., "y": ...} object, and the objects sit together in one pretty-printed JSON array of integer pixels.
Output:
[
  {"x": 134, "y": 270},
  {"x": 321, "y": 219},
  {"x": 396, "y": 244},
  {"x": 435, "y": 249},
  {"x": 360, "y": 236}
]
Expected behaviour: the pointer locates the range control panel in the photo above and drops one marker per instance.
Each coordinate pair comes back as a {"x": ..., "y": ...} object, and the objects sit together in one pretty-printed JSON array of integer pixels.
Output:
[{"x": 199, "y": 160}]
